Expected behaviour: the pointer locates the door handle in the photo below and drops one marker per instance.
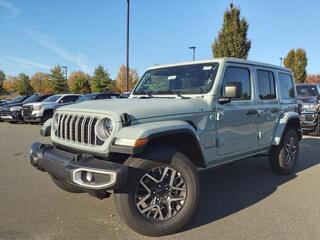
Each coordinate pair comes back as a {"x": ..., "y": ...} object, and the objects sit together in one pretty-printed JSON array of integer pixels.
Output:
[
  {"x": 252, "y": 112},
  {"x": 275, "y": 110}
]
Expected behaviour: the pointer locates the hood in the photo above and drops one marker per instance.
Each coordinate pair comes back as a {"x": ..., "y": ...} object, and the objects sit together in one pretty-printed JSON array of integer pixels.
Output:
[
  {"x": 308, "y": 99},
  {"x": 140, "y": 108},
  {"x": 7, "y": 106},
  {"x": 39, "y": 103}
]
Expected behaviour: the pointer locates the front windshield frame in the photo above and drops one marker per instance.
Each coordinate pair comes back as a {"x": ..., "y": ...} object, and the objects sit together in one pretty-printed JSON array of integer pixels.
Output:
[
  {"x": 308, "y": 89},
  {"x": 55, "y": 97},
  {"x": 210, "y": 66}
]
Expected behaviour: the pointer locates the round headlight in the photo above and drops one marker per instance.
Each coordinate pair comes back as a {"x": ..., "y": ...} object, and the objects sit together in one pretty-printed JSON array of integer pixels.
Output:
[
  {"x": 108, "y": 126},
  {"x": 55, "y": 122},
  {"x": 104, "y": 128}
]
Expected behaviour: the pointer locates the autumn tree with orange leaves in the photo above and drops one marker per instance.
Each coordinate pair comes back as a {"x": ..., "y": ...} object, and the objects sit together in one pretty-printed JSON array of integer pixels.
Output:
[
  {"x": 121, "y": 79},
  {"x": 79, "y": 82}
]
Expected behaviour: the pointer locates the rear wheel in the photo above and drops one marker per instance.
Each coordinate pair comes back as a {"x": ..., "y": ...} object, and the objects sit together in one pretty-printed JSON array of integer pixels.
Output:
[
  {"x": 161, "y": 197},
  {"x": 283, "y": 158}
]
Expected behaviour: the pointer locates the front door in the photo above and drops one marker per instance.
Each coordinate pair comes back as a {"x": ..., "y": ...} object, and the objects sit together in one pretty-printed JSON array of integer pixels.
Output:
[{"x": 236, "y": 121}]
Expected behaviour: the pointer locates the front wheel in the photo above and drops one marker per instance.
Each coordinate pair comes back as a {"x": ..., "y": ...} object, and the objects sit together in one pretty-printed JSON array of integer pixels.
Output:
[
  {"x": 162, "y": 193},
  {"x": 283, "y": 158}
]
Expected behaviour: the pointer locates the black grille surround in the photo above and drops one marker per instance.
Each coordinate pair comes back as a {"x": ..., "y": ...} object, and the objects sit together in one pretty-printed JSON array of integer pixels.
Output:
[
  {"x": 77, "y": 128},
  {"x": 27, "y": 112}
]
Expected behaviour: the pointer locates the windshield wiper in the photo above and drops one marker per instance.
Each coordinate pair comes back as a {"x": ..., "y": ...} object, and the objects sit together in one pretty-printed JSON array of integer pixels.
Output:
[
  {"x": 148, "y": 93},
  {"x": 177, "y": 92}
]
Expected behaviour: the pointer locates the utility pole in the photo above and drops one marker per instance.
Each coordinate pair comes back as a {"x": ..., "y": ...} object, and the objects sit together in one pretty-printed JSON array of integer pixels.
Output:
[
  {"x": 193, "y": 52},
  {"x": 127, "y": 73}
]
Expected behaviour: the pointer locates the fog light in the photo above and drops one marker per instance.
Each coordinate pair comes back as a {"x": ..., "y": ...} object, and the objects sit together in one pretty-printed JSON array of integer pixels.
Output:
[{"x": 89, "y": 177}]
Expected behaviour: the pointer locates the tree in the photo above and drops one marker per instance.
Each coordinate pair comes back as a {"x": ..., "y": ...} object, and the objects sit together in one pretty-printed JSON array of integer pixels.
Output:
[
  {"x": 79, "y": 82},
  {"x": 101, "y": 80},
  {"x": 23, "y": 85},
  {"x": 2, "y": 79},
  {"x": 296, "y": 61},
  {"x": 314, "y": 78},
  {"x": 10, "y": 85},
  {"x": 122, "y": 76},
  {"x": 40, "y": 83},
  {"x": 57, "y": 81},
  {"x": 232, "y": 38}
]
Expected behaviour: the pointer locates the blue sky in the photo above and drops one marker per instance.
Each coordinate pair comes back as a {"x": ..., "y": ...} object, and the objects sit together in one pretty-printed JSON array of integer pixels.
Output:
[{"x": 80, "y": 34}]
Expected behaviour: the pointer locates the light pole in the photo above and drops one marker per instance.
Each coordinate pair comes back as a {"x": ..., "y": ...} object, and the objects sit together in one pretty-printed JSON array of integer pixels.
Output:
[
  {"x": 65, "y": 71},
  {"x": 280, "y": 61},
  {"x": 127, "y": 73},
  {"x": 193, "y": 52}
]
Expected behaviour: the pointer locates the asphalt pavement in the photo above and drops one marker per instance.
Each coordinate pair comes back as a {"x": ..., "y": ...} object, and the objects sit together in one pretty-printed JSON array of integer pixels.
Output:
[{"x": 240, "y": 201}]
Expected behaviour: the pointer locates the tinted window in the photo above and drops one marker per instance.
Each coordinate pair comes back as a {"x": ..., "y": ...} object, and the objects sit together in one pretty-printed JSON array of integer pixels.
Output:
[
  {"x": 33, "y": 98},
  {"x": 307, "y": 90},
  {"x": 238, "y": 76},
  {"x": 52, "y": 98},
  {"x": 286, "y": 86},
  {"x": 266, "y": 84},
  {"x": 68, "y": 99}
]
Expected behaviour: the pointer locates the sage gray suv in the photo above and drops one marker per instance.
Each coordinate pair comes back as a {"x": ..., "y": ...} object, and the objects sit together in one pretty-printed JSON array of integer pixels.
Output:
[{"x": 179, "y": 119}]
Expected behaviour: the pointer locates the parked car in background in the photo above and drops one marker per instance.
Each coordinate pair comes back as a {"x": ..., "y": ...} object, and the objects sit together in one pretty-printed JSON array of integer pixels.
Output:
[
  {"x": 97, "y": 96},
  {"x": 14, "y": 113},
  {"x": 124, "y": 95},
  {"x": 2, "y": 102},
  {"x": 180, "y": 118},
  {"x": 42, "y": 111},
  {"x": 4, "y": 109},
  {"x": 309, "y": 97}
]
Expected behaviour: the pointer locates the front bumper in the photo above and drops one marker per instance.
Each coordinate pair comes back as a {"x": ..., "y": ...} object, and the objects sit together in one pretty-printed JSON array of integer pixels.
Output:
[
  {"x": 11, "y": 116},
  {"x": 309, "y": 121},
  {"x": 82, "y": 171}
]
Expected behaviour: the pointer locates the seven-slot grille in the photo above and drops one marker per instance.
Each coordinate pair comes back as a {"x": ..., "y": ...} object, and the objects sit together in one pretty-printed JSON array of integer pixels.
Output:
[
  {"x": 27, "y": 111},
  {"x": 78, "y": 129}
]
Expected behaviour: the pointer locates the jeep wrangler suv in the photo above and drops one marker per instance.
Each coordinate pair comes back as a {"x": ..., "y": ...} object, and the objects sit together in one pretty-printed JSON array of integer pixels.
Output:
[
  {"x": 42, "y": 111},
  {"x": 309, "y": 96},
  {"x": 179, "y": 119}
]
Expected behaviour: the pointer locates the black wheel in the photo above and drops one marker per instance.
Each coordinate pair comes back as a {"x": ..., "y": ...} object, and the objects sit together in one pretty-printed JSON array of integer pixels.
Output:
[
  {"x": 162, "y": 192},
  {"x": 283, "y": 158},
  {"x": 66, "y": 187},
  {"x": 47, "y": 115}
]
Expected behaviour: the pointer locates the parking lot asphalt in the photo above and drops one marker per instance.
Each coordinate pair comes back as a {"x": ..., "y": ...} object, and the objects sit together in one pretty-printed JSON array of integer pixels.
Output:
[{"x": 240, "y": 201}]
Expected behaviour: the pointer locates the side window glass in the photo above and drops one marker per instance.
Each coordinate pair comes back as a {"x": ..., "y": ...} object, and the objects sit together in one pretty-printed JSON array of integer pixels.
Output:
[
  {"x": 240, "y": 77},
  {"x": 286, "y": 86},
  {"x": 266, "y": 85}
]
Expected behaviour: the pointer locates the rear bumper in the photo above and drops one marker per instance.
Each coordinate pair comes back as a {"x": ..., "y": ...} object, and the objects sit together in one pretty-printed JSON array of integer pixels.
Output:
[{"x": 84, "y": 172}]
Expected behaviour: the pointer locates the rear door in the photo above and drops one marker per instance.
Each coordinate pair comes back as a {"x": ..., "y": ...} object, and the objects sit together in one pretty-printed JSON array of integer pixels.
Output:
[
  {"x": 237, "y": 128},
  {"x": 268, "y": 104}
]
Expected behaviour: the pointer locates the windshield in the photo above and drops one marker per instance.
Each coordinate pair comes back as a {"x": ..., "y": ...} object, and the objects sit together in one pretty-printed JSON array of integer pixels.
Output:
[
  {"x": 33, "y": 98},
  {"x": 85, "y": 98},
  {"x": 52, "y": 98},
  {"x": 307, "y": 90},
  {"x": 18, "y": 99},
  {"x": 187, "y": 79}
]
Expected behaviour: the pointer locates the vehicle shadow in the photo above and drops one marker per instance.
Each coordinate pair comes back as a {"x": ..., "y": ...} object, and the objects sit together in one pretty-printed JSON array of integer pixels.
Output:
[{"x": 231, "y": 188}]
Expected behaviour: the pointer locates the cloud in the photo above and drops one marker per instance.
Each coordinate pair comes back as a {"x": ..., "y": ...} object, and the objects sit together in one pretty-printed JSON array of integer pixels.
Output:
[
  {"x": 49, "y": 43},
  {"x": 27, "y": 63},
  {"x": 13, "y": 10}
]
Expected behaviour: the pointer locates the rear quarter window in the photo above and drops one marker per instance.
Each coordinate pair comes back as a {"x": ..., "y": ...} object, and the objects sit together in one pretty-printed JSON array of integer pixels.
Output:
[{"x": 286, "y": 86}]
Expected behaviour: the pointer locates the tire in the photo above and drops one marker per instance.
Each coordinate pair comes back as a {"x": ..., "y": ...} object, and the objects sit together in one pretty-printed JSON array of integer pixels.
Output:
[
  {"x": 283, "y": 158},
  {"x": 47, "y": 115},
  {"x": 66, "y": 187},
  {"x": 184, "y": 202},
  {"x": 317, "y": 128}
]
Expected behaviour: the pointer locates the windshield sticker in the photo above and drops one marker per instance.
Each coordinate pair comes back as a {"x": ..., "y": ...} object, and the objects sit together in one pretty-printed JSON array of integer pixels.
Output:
[
  {"x": 206, "y": 68},
  {"x": 172, "y": 77}
]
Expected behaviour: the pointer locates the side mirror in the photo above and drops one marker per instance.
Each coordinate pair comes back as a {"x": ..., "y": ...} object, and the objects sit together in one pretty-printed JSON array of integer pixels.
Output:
[
  {"x": 61, "y": 101},
  {"x": 230, "y": 91}
]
